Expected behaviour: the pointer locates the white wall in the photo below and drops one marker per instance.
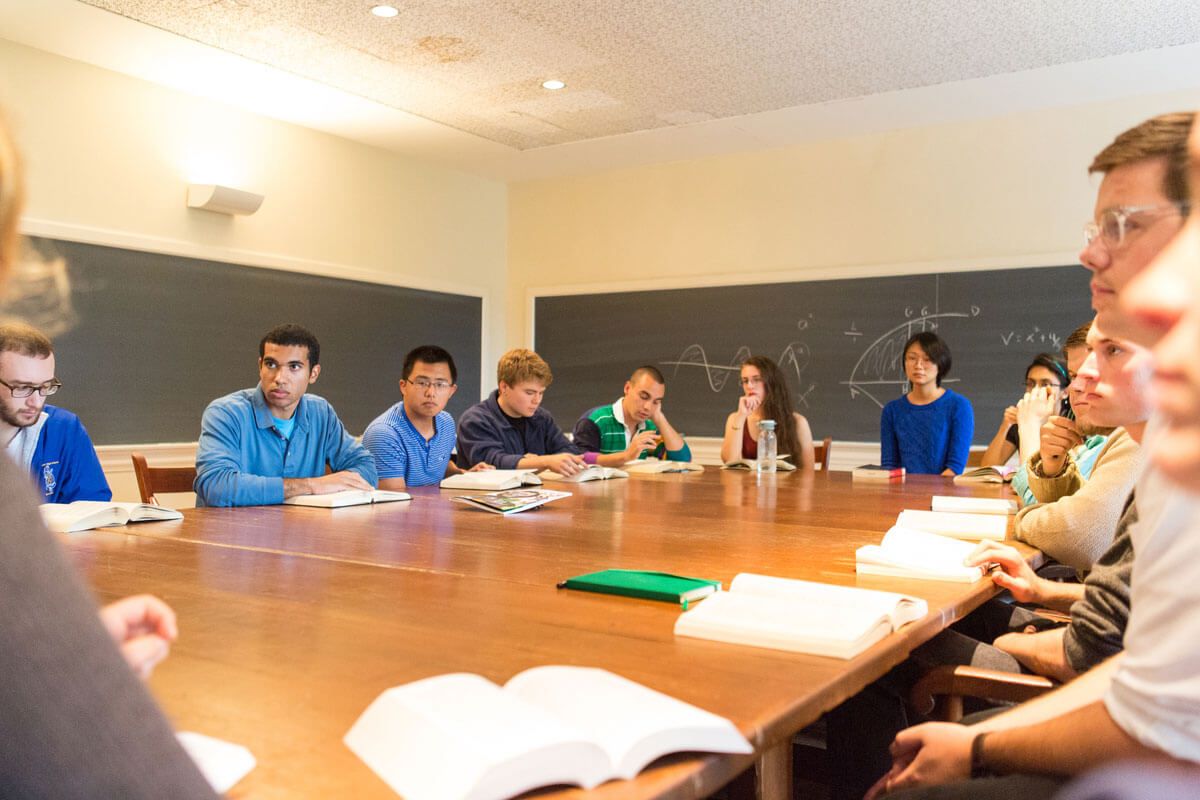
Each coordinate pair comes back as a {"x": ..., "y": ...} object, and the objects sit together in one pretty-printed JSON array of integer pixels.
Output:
[
  {"x": 108, "y": 158},
  {"x": 1010, "y": 191}
]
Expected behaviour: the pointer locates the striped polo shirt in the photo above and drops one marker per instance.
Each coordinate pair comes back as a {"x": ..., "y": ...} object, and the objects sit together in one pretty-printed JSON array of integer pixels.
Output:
[{"x": 400, "y": 451}]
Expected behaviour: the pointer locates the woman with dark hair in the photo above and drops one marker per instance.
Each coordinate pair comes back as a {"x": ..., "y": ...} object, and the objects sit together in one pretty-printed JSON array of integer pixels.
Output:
[
  {"x": 765, "y": 395},
  {"x": 1046, "y": 380},
  {"x": 928, "y": 431}
]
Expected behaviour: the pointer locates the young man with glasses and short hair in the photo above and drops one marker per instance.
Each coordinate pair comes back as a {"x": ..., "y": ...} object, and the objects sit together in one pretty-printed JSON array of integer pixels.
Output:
[
  {"x": 263, "y": 445},
  {"x": 48, "y": 441},
  {"x": 413, "y": 440}
]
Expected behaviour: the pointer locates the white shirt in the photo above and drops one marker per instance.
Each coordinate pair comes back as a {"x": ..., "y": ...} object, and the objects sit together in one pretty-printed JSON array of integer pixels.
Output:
[
  {"x": 20, "y": 448},
  {"x": 1155, "y": 694}
]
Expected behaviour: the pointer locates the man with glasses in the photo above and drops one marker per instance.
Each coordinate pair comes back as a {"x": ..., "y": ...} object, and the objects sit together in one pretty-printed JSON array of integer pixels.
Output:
[
  {"x": 48, "y": 441},
  {"x": 413, "y": 440}
]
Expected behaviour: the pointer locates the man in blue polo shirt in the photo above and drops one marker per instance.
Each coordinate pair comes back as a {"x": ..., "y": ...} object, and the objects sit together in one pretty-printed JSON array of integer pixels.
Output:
[
  {"x": 50, "y": 442},
  {"x": 413, "y": 440},
  {"x": 263, "y": 445}
]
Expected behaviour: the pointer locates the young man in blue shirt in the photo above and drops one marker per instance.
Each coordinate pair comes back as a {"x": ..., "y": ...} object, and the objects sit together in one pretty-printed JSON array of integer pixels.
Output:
[
  {"x": 413, "y": 440},
  {"x": 48, "y": 441},
  {"x": 263, "y": 445}
]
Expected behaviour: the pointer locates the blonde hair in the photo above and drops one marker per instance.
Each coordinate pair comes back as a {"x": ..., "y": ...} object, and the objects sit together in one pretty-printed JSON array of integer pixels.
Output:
[
  {"x": 1164, "y": 136},
  {"x": 25, "y": 340},
  {"x": 523, "y": 365},
  {"x": 12, "y": 199}
]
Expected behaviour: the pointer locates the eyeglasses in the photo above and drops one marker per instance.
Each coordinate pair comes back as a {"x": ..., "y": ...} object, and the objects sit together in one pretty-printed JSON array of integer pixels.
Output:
[
  {"x": 23, "y": 390},
  {"x": 914, "y": 359},
  {"x": 753, "y": 380},
  {"x": 1046, "y": 384},
  {"x": 1115, "y": 223},
  {"x": 424, "y": 384}
]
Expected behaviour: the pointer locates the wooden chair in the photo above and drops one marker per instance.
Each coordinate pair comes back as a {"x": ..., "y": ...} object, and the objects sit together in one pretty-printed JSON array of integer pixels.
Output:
[
  {"x": 152, "y": 480},
  {"x": 940, "y": 692},
  {"x": 821, "y": 453},
  {"x": 974, "y": 457}
]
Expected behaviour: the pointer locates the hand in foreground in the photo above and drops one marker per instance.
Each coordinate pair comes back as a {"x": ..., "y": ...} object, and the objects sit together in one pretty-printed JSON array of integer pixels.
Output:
[
  {"x": 1014, "y": 574},
  {"x": 1037, "y": 406},
  {"x": 566, "y": 464},
  {"x": 480, "y": 467},
  {"x": 143, "y": 628},
  {"x": 339, "y": 482},
  {"x": 1010, "y": 418},
  {"x": 1058, "y": 436},
  {"x": 646, "y": 440},
  {"x": 927, "y": 755}
]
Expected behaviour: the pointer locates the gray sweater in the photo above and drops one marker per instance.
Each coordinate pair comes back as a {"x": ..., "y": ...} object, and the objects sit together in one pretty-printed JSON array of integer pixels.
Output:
[
  {"x": 74, "y": 720},
  {"x": 1097, "y": 629}
]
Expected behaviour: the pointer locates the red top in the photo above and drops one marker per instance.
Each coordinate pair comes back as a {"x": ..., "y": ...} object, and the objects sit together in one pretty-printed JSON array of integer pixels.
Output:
[{"x": 749, "y": 443}]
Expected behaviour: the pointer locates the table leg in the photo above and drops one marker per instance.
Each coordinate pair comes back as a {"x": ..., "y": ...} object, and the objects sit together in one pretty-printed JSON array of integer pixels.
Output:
[{"x": 773, "y": 772}]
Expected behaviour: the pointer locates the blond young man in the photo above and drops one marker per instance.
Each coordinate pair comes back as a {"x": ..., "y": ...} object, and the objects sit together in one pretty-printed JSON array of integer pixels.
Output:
[{"x": 510, "y": 429}]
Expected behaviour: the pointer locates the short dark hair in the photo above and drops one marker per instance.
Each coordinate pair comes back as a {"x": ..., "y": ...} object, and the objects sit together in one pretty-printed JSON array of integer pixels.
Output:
[
  {"x": 646, "y": 369},
  {"x": 430, "y": 354},
  {"x": 291, "y": 334},
  {"x": 1054, "y": 363},
  {"x": 935, "y": 348}
]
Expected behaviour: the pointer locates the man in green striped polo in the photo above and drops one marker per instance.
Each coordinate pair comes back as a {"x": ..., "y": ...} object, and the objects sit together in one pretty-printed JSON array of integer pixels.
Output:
[{"x": 633, "y": 427}]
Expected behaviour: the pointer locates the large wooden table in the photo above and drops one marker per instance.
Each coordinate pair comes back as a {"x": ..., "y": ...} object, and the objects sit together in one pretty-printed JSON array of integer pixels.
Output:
[{"x": 293, "y": 619}]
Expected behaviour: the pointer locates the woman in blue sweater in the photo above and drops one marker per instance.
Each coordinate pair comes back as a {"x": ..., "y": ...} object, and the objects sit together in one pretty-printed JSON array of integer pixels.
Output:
[{"x": 928, "y": 431}]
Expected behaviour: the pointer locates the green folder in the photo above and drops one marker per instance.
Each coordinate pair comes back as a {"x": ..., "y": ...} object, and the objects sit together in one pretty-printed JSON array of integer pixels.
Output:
[{"x": 638, "y": 583}]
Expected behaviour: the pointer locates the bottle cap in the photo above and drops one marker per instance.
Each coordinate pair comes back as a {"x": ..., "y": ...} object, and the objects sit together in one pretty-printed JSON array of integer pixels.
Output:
[{"x": 768, "y": 424}]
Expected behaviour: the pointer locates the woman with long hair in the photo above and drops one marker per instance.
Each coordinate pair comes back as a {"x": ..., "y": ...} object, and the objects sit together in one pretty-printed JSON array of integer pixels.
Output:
[{"x": 765, "y": 395}]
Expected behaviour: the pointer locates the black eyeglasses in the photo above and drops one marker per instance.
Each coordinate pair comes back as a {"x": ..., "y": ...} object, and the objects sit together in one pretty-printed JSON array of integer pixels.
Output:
[{"x": 26, "y": 390}]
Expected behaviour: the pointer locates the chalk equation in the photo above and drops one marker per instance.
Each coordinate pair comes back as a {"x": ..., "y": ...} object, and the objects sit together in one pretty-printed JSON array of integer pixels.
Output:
[
  {"x": 881, "y": 363},
  {"x": 793, "y": 360},
  {"x": 1047, "y": 339}
]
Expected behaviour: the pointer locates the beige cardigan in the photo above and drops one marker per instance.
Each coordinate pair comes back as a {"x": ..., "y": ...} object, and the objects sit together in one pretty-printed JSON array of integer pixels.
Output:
[{"x": 1074, "y": 520}]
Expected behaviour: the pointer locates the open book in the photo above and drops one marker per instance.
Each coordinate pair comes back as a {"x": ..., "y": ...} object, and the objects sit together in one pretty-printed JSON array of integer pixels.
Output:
[
  {"x": 907, "y": 553},
  {"x": 975, "y": 527},
  {"x": 998, "y": 474},
  {"x": 594, "y": 472},
  {"x": 800, "y": 616},
  {"x": 492, "y": 480},
  {"x": 460, "y": 736},
  {"x": 83, "y": 515},
  {"x": 512, "y": 500},
  {"x": 653, "y": 466},
  {"x": 781, "y": 464},
  {"x": 350, "y": 497},
  {"x": 974, "y": 505}
]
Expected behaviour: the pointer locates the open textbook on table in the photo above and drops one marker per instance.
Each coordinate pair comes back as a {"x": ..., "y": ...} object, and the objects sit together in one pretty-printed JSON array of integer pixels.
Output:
[{"x": 460, "y": 736}]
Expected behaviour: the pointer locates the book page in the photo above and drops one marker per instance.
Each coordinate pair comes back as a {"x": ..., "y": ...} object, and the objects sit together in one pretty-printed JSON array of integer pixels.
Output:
[
  {"x": 785, "y": 623},
  {"x": 961, "y": 526},
  {"x": 461, "y": 736},
  {"x": 898, "y": 608},
  {"x": 592, "y": 473},
  {"x": 974, "y": 505},
  {"x": 632, "y": 723},
  {"x": 222, "y": 763},
  {"x": 82, "y": 515},
  {"x": 921, "y": 554},
  {"x": 492, "y": 479}
]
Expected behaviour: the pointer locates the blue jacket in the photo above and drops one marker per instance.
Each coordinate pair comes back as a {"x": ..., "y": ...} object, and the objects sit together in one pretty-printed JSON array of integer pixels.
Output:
[
  {"x": 485, "y": 435},
  {"x": 242, "y": 459},
  {"x": 65, "y": 465}
]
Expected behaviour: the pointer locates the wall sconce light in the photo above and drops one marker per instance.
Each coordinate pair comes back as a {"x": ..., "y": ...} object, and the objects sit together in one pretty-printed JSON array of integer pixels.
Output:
[{"x": 222, "y": 199}]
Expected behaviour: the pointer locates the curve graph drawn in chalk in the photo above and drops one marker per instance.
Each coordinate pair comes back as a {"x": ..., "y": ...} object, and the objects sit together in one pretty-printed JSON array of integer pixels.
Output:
[
  {"x": 794, "y": 358},
  {"x": 879, "y": 365}
]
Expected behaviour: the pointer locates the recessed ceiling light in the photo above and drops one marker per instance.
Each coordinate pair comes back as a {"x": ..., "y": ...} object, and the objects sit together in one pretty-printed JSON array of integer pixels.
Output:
[
  {"x": 553, "y": 85},
  {"x": 385, "y": 11}
]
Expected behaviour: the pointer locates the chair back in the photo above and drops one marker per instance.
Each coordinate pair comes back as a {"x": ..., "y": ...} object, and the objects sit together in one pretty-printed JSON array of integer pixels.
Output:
[
  {"x": 821, "y": 453},
  {"x": 152, "y": 480}
]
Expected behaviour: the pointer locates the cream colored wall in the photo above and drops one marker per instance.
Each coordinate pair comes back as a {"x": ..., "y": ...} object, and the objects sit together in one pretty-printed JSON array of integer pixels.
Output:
[
  {"x": 110, "y": 153},
  {"x": 1007, "y": 191},
  {"x": 108, "y": 158}
]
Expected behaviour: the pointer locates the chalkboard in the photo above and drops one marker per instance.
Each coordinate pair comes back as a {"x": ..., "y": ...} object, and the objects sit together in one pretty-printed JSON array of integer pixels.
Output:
[
  {"x": 838, "y": 341},
  {"x": 152, "y": 338}
]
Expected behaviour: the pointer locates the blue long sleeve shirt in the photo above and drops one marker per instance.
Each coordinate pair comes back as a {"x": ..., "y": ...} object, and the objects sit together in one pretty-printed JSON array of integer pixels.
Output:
[
  {"x": 486, "y": 435},
  {"x": 65, "y": 465},
  {"x": 927, "y": 439},
  {"x": 242, "y": 458}
]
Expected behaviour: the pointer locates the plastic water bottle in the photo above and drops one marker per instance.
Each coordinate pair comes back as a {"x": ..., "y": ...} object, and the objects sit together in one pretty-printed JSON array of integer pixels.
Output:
[{"x": 767, "y": 446}]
